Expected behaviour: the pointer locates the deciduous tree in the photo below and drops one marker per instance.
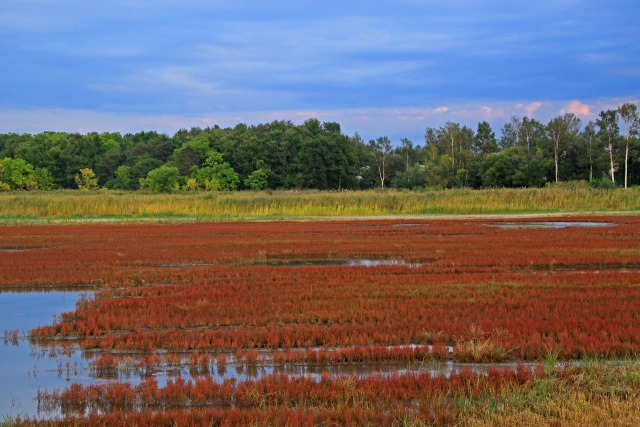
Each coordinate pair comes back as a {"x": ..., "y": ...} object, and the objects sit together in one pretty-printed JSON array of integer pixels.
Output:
[
  {"x": 629, "y": 115},
  {"x": 589, "y": 136},
  {"x": 561, "y": 129},
  {"x": 87, "y": 180},
  {"x": 163, "y": 179},
  {"x": 381, "y": 149},
  {"x": 608, "y": 132}
]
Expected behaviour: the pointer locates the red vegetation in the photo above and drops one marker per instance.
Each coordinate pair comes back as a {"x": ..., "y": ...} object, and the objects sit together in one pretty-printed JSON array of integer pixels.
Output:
[
  {"x": 520, "y": 291},
  {"x": 499, "y": 280},
  {"x": 419, "y": 396},
  {"x": 487, "y": 292}
]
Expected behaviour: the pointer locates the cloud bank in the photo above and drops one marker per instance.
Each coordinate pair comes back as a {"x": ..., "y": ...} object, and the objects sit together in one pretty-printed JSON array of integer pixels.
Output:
[
  {"x": 378, "y": 67},
  {"x": 370, "y": 123}
]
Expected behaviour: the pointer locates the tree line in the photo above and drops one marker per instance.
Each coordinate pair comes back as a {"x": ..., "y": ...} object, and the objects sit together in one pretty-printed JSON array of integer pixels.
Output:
[{"x": 315, "y": 155}]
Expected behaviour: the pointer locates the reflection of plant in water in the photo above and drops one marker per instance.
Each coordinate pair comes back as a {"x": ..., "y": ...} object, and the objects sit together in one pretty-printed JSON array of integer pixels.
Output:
[
  {"x": 221, "y": 360},
  {"x": 8, "y": 421},
  {"x": 375, "y": 400},
  {"x": 199, "y": 363},
  {"x": 433, "y": 364},
  {"x": 68, "y": 369},
  {"x": 11, "y": 337}
]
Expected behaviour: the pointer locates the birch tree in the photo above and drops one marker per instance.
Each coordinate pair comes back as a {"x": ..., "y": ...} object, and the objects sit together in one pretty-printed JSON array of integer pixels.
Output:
[
  {"x": 589, "y": 136},
  {"x": 530, "y": 131},
  {"x": 608, "y": 131},
  {"x": 511, "y": 132},
  {"x": 381, "y": 150},
  {"x": 629, "y": 115},
  {"x": 560, "y": 130}
]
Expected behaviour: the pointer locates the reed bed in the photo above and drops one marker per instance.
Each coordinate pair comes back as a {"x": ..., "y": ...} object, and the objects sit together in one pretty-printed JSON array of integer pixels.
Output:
[{"x": 200, "y": 206}]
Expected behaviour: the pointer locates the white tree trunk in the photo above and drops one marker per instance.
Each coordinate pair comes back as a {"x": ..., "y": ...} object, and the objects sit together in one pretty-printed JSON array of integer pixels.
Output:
[
  {"x": 613, "y": 178},
  {"x": 626, "y": 163},
  {"x": 381, "y": 170},
  {"x": 555, "y": 157}
]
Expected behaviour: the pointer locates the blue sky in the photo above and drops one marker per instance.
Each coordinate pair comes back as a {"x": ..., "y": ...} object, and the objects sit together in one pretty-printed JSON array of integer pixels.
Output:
[{"x": 377, "y": 67}]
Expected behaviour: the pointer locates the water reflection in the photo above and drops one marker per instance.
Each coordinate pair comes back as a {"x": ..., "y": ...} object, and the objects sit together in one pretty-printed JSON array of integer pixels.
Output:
[{"x": 25, "y": 369}]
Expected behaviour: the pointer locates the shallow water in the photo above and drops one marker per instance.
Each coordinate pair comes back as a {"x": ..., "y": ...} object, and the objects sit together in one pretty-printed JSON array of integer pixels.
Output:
[
  {"x": 550, "y": 224},
  {"x": 345, "y": 263},
  {"x": 25, "y": 369}
]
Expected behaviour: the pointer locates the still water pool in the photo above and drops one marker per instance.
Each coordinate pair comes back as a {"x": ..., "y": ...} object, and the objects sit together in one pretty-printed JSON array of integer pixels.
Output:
[{"x": 25, "y": 369}]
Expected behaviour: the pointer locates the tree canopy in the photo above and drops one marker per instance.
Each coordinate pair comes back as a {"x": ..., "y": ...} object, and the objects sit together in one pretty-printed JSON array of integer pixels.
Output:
[{"x": 315, "y": 155}]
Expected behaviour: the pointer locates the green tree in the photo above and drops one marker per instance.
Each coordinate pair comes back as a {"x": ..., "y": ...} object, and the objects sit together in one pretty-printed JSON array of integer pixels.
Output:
[
  {"x": 248, "y": 150},
  {"x": 438, "y": 166},
  {"x": 192, "y": 153},
  {"x": 259, "y": 178},
  {"x": 3, "y": 185},
  {"x": 122, "y": 179},
  {"x": 365, "y": 175},
  {"x": 50, "y": 150},
  {"x": 512, "y": 167},
  {"x": 499, "y": 168},
  {"x": 18, "y": 174},
  {"x": 381, "y": 150},
  {"x": 217, "y": 175},
  {"x": 484, "y": 142},
  {"x": 112, "y": 156},
  {"x": 9, "y": 142},
  {"x": 531, "y": 132},
  {"x": 311, "y": 161},
  {"x": 87, "y": 179},
  {"x": 43, "y": 179},
  {"x": 561, "y": 131},
  {"x": 413, "y": 178},
  {"x": 163, "y": 179},
  {"x": 511, "y": 133},
  {"x": 322, "y": 158},
  {"x": 589, "y": 138},
  {"x": 407, "y": 152},
  {"x": 141, "y": 168},
  {"x": 451, "y": 152}
]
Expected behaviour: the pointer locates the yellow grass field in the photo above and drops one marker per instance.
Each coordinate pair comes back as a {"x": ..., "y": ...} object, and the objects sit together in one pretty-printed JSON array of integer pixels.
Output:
[{"x": 237, "y": 206}]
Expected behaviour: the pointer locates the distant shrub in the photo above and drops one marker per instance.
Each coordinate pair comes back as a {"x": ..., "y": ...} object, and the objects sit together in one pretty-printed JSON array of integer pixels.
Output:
[
  {"x": 569, "y": 185},
  {"x": 163, "y": 179},
  {"x": 604, "y": 182}
]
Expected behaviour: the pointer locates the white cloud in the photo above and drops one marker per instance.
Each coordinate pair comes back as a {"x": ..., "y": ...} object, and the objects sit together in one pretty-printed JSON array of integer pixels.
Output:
[{"x": 578, "y": 108}]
